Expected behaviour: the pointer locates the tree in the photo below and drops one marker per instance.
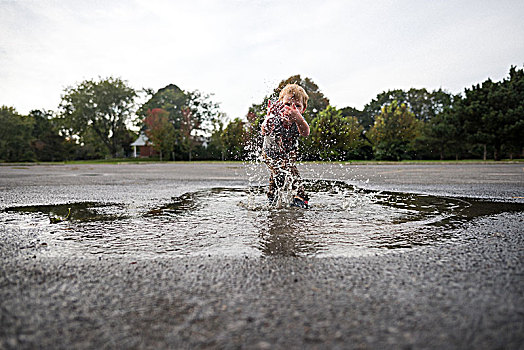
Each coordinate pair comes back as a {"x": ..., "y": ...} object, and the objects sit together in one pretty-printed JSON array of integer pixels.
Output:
[
  {"x": 90, "y": 146},
  {"x": 160, "y": 131},
  {"x": 188, "y": 136},
  {"x": 192, "y": 113},
  {"x": 374, "y": 107},
  {"x": 513, "y": 129},
  {"x": 394, "y": 128},
  {"x": 204, "y": 111},
  {"x": 102, "y": 107},
  {"x": 47, "y": 144},
  {"x": 198, "y": 120},
  {"x": 362, "y": 117},
  {"x": 334, "y": 136},
  {"x": 15, "y": 136},
  {"x": 424, "y": 104},
  {"x": 216, "y": 148},
  {"x": 171, "y": 99},
  {"x": 234, "y": 139},
  {"x": 493, "y": 114},
  {"x": 427, "y": 104},
  {"x": 443, "y": 135}
]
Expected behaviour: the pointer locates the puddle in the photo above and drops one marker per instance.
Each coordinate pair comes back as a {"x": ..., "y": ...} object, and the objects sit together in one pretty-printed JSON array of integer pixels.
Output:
[
  {"x": 342, "y": 221},
  {"x": 74, "y": 212}
]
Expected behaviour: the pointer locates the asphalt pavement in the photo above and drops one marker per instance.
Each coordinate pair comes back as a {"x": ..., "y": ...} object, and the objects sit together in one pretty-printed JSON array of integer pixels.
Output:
[{"x": 459, "y": 294}]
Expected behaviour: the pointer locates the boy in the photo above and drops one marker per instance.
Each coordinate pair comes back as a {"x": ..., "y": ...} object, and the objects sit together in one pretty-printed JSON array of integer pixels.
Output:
[{"x": 283, "y": 125}]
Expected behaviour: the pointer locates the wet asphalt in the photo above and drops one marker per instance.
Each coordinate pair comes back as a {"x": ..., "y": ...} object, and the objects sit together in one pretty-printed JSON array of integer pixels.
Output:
[{"x": 464, "y": 294}]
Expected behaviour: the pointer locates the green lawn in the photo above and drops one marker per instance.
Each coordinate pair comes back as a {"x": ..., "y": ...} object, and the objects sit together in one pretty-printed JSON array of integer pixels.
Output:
[{"x": 363, "y": 162}]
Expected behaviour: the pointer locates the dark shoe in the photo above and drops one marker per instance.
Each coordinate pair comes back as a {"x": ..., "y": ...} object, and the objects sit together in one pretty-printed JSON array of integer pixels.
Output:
[{"x": 299, "y": 202}]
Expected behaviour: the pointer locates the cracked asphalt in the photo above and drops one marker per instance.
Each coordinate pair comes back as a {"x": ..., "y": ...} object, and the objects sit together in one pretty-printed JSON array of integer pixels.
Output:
[{"x": 465, "y": 294}]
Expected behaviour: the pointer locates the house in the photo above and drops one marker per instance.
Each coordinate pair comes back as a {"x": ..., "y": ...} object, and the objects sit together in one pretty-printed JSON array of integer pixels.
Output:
[{"x": 145, "y": 147}]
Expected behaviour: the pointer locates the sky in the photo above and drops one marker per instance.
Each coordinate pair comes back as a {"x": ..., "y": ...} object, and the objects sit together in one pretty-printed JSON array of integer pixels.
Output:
[{"x": 240, "y": 50}]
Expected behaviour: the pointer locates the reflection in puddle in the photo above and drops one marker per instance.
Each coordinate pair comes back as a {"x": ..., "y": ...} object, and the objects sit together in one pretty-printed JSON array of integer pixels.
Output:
[
  {"x": 342, "y": 221},
  {"x": 283, "y": 234},
  {"x": 82, "y": 212}
]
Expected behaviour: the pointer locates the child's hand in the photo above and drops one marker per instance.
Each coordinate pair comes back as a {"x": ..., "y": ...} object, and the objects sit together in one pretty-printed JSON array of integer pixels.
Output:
[{"x": 291, "y": 113}]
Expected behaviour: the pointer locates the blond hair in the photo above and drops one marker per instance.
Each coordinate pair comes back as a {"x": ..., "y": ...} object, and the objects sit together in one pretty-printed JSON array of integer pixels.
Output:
[{"x": 296, "y": 91}]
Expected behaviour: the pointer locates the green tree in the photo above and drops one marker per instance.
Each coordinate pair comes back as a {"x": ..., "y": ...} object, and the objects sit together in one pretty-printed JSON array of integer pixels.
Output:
[
  {"x": 427, "y": 104},
  {"x": 204, "y": 110},
  {"x": 47, "y": 143},
  {"x": 443, "y": 135},
  {"x": 393, "y": 131},
  {"x": 189, "y": 138},
  {"x": 374, "y": 107},
  {"x": 361, "y": 116},
  {"x": 198, "y": 121},
  {"x": 216, "y": 148},
  {"x": 492, "y": 113},
  {"x": 234, "y": 139},
  {"x": 365, "y": 150},
  {"x": 513, "y": 129},
  {"x": 90, "y": 147},
  {"x": 171, "y": 99},
  {"x": 15, "y": 136},
  {"x": 192, "y": 113},
  {"x": 423, "y": 103},
  {"x": 100, "y": 109},
  {"x": 160, "y": 131},
  {"x": 334, "y": 136}
]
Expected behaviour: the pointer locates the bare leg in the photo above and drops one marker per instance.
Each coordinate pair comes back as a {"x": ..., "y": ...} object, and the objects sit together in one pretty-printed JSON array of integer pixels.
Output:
[
  {"x": 279, "y": 168},
  {"x": 297, "y": 183}
]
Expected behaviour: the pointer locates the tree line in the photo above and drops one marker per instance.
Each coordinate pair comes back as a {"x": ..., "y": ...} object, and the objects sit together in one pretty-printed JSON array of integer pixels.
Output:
[{"x": 96, "y": 119}]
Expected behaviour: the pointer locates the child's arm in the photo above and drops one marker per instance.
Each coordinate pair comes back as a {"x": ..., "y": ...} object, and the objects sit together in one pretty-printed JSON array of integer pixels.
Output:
[{"x": 303, "y": 126}]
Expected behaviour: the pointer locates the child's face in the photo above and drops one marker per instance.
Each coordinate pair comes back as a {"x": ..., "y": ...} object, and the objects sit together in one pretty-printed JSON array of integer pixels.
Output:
[{"x": 292, "y": 102}]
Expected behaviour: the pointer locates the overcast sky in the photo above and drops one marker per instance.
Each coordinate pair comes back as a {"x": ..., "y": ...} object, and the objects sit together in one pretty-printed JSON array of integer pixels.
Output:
[{"x": 240, "y": 50}]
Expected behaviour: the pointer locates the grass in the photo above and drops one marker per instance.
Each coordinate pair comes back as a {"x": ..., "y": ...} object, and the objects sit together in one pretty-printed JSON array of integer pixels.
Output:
[
  {"x": 116, "y": 161},
  {"x": 431, "y": 161}
]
